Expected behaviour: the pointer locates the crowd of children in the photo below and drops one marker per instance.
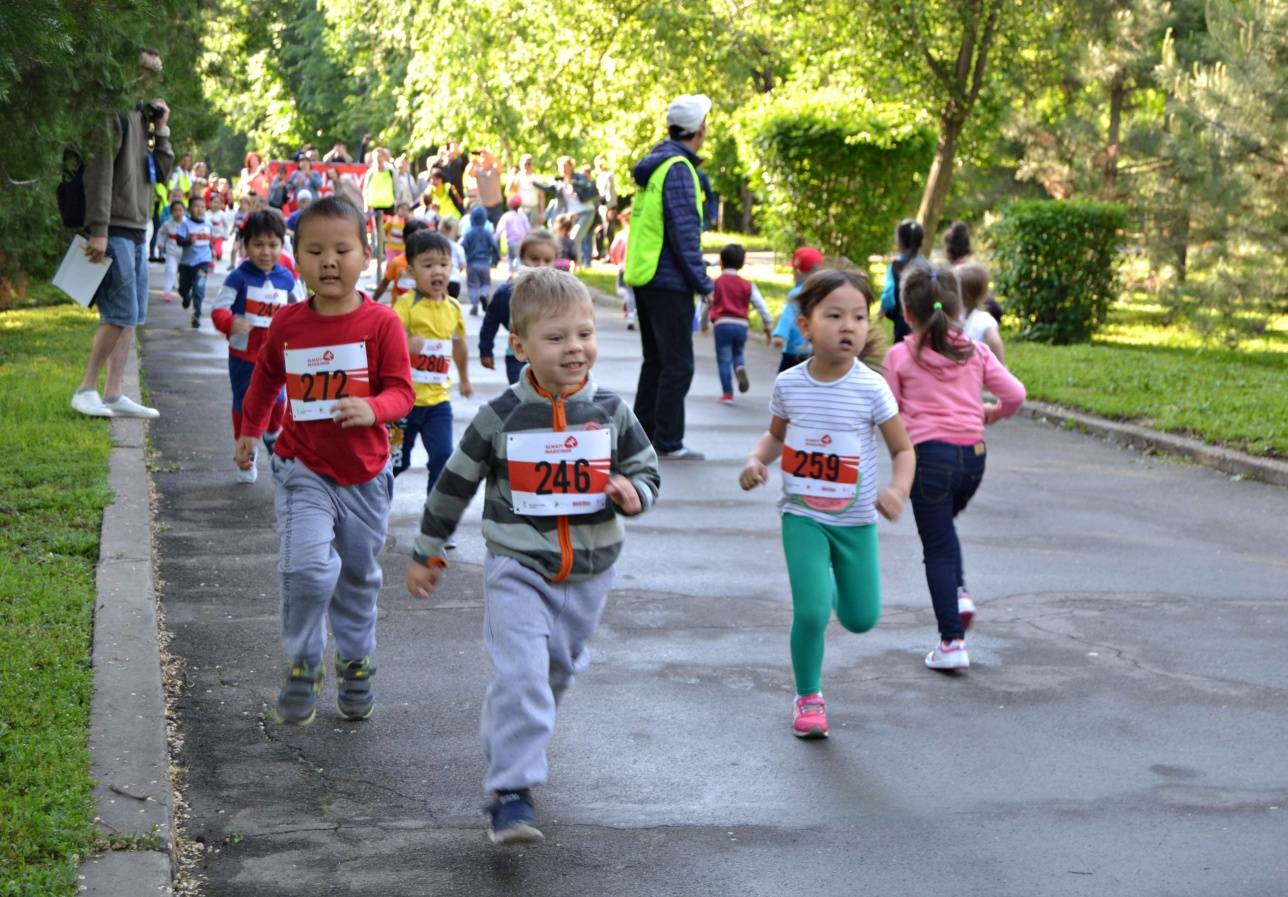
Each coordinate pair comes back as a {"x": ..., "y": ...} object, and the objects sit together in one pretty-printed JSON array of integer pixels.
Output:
[{"x": 339, "y": 388}]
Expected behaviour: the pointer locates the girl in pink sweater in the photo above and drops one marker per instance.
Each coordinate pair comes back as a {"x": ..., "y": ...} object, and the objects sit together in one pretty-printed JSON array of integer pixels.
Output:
[{"x": 936, "y": 376}]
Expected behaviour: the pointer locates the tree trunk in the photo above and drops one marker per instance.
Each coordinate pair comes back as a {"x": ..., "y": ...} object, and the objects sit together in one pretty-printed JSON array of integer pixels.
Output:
[
  {"x": 941, "y": 173},
  {"x": 1117, "y": 99},
  {"x": 744, "y": 198}
]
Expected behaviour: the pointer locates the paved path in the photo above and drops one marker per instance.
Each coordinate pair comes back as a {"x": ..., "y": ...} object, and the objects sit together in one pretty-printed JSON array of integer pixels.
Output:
[{"x": 1121, "y": 732}]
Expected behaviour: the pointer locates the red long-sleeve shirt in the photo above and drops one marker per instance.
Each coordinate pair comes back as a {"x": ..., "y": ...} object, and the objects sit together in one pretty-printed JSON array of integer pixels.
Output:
[{"x": 348, "y": 456}]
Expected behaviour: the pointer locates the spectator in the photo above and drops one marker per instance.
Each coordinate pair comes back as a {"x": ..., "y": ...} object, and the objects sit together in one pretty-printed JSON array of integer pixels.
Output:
[
  {"x": 607, "y": 187},
  {"x": 304, "y": 178},
  {"x": 254, "y": 176},
  {"x": 575, "y": 195},
  {"x": 526, "y": 186},
  {"x": 487, "y": 174},
  {"x": 118, "y": 206},
  {"x": 182, "y": 175},
  {"x": 339, "y": 154},
  {"x": 451, "y": 162},
  {"x": 665, "y": 266},
  {"x": 407, "y": 187}
]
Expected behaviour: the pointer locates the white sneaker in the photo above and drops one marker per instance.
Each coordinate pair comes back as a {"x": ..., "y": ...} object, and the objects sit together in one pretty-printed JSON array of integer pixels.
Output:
[
  {"x": 124, "y": 406},
  {"x": 450, "y": 543},
  {"x": 90, "y": 403},
  {"x": 249, "y": 475},
  {"x": 950, "y": 656}
]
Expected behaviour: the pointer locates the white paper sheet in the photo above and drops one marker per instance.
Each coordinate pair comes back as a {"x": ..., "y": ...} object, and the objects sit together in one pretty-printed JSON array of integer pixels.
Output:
[{"x": 77, "y": 276}]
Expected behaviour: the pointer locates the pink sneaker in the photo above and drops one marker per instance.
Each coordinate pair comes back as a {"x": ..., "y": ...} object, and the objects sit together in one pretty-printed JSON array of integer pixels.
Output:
[
  {"x": 965, "y": 608},
  {"x": 811, "y": 717},
  {"x": 168, "y": 296},
  {"x": 726, "y": 399}
]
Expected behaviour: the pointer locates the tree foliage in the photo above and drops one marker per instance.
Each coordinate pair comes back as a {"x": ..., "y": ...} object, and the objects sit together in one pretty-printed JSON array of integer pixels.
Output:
[
  {"x": 64, "y": 68},
  {"x": 832, "y": 172}
]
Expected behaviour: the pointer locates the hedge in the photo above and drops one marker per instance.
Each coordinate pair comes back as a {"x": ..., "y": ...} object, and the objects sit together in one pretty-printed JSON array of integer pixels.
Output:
[{"x": 1057, "y": 266}]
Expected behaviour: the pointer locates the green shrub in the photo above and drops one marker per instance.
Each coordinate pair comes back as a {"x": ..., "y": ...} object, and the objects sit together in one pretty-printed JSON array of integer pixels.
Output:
[
  {"x": 1057, "y": 266},
  {"x": 834, "y": 171}
]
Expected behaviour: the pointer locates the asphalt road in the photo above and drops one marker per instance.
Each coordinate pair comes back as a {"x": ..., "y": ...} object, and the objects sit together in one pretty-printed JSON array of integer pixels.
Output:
[{"x": 1121, "y": 731}]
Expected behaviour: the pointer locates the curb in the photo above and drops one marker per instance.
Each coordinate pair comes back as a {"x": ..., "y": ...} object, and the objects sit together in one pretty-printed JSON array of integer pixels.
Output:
[
  {"x": 129, "y": 755},
  {"x": 1225, "y": 460},
  {"x": 1267, "y": 470}
]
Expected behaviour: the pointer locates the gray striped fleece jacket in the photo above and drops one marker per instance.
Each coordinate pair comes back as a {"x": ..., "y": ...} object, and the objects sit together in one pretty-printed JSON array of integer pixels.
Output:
[{"x": 559, "y": 548}]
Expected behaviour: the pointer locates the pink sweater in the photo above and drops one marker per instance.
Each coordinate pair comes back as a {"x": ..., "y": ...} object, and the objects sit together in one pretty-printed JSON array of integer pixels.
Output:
[{"x": 940, "y": 399}]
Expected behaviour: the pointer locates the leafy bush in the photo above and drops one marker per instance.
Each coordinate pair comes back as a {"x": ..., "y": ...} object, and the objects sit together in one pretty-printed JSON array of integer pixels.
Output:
[
  {"x": 834, "y": 171},
  {"x": 1058, "y": 266}
]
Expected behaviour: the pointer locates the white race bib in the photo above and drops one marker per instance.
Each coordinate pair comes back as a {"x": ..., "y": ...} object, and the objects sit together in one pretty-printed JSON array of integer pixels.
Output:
[
  {"x": 262, "y": 303},
  {"x": 555, "y": 474},
  {"x": 433, "y": 364},
  {"x": 821, "y": 467},
  {"x": 318, "y": 377}
]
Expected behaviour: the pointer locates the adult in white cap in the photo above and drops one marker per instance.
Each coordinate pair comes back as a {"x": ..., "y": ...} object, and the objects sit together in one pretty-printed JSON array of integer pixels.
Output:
[{"x": 664, "y": 264}]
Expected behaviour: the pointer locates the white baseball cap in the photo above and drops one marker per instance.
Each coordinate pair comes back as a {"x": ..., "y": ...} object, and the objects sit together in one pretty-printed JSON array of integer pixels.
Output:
[{"x": 688, "y": 111}]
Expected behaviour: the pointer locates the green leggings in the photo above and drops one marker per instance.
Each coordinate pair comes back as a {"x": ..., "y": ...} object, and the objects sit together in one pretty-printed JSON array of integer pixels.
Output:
[{"x": 829, "y": 567}]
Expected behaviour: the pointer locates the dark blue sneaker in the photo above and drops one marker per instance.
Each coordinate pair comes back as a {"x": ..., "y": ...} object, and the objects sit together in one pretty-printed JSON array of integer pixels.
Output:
[{"x": 513, "y": 819}]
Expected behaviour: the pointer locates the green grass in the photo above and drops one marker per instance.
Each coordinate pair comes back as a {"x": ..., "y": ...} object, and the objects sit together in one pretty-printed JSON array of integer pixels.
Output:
[
  {"x": 39, "y": 294},
  {"x": 53, "y": 488},
  {"x": 714, "y": 241}
]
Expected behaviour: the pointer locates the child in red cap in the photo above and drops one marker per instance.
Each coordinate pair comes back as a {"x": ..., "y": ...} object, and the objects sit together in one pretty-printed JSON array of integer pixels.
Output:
[{"x": 787, "y": 333}]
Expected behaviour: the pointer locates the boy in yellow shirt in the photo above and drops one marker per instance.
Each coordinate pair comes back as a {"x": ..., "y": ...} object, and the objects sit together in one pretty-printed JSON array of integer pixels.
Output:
[{"x": 435, "y": 339}]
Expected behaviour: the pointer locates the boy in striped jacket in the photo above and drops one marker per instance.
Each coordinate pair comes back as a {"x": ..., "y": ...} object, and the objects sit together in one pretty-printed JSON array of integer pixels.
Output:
[{"x": 564, "y": 461}]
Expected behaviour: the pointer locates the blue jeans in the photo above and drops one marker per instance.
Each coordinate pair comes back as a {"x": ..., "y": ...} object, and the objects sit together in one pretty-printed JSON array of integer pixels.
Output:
[
  {"x": 731, "y": 339},
  {"x": 122, "y": 297},
  {"x": 585, "y": 230},
  {"x": 192, "y": 285},
  {"x": 513, "y": 368},
  {"x": 433, "y": 424},
  {"x": 947, "y": 477}
]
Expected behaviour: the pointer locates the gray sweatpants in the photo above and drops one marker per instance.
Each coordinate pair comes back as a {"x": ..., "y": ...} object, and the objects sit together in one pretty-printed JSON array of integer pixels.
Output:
[
  {"x": 536, "y": 635},
  {"x": 330, "y": 536}
]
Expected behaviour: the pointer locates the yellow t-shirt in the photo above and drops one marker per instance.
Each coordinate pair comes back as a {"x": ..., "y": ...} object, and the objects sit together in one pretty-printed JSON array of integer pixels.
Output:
[{"x": 432, "y": 320}]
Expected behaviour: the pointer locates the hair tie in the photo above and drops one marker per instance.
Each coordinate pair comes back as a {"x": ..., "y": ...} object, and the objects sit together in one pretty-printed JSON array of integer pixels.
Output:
[{"x": 938, "y": 306}]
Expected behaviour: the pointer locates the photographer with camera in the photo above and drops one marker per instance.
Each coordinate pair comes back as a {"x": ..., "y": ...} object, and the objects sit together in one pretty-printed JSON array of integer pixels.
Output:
[{"x": 118, "y": 199}]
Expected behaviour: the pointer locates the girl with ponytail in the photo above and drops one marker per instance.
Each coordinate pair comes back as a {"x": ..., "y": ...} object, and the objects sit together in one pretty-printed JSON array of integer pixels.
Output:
[{"x": 936, "y": 376}]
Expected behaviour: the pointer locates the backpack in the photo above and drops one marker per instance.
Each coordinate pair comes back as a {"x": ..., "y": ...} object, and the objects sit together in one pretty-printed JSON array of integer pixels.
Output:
[{"x": 70, "y": 192}]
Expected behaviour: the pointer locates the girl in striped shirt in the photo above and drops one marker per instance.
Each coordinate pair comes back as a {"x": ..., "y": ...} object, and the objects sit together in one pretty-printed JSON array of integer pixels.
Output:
[{"x": 824, "y": 417}]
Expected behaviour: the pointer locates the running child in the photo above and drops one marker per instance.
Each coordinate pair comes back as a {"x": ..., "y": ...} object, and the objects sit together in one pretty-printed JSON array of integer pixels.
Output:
[
  {"x": 824, "y": 416},
  {"x": 978, "y": 323},
  {"x": 448, "y": 228},
  {"x": 435, "y": 329},
  {"x": 221, "y": 227},
  {"x": 513, "y": 227},
  {"x": 243, "y": 312},
  {"x": 787, "y": 333},
  {"x": 567, "y": 258},
  {"x": 245, "y": 206},
  {"x": 168, "y": 235},
  {"x": 908, "y": 237},
  {"x": 538, "y": 250},
  {"x": 728, "y": 314},
  {"x": 343, "y": 360},
  {"x": 564, "y": 462},
  {"x": 936, "y": 376},
  {"x": 195, "y": 263},
  {"x": 395, "y": 239},
  {"x": 396, "y": 277},
  {"x": 617, "y": 256},
  {"x": 480, "y": 255}
]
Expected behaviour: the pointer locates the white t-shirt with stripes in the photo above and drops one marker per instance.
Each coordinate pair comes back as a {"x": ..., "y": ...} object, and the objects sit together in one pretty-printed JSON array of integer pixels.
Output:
[{"x": 860, "y": 401}]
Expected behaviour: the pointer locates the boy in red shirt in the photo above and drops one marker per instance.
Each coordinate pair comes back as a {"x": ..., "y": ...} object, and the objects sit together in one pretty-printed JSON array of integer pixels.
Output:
[
  {"x": 728, "y": 312},
  {"x": 343, "y": 360}
]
